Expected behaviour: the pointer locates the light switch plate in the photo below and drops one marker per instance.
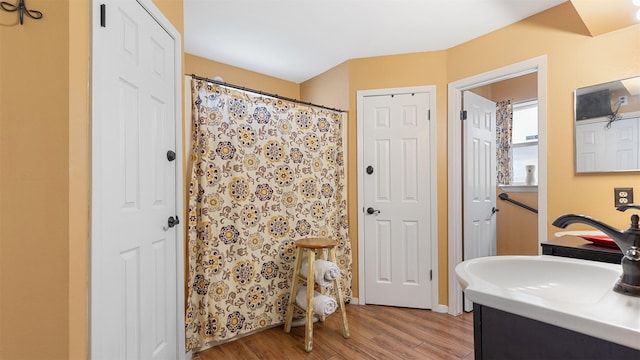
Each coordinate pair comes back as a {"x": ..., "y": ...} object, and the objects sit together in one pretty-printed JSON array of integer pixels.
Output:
[{"x": 622, "y": 196}]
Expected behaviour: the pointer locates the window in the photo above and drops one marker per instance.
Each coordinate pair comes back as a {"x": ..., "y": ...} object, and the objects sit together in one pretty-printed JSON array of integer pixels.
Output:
[{"x": 524, "y": 139}]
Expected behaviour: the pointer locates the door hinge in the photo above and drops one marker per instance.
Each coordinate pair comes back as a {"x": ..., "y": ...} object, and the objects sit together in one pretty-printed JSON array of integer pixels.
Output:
[
  {"x": 429, "y": 114},
  {"x": 430, "y": 275},
  {"x": 463, "y": 115},
  {"x": 103, "y": 15}
]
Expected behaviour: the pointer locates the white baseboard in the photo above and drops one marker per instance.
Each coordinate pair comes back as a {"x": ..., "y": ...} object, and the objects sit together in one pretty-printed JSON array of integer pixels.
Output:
[{"x": 440, "y": 309}]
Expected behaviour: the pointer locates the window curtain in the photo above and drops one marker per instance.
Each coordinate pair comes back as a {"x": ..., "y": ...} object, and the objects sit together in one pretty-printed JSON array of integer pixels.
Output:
[
  {"x": 504, "y": 120},
  {"x": 266, "y": 172}
]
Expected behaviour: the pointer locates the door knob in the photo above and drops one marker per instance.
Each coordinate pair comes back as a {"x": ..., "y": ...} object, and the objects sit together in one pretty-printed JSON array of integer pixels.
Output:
[
  {"x": 171, "y": 222},
  {"x": 371, "y": 211},
  {"x": 369, "y": 169},
  {"x": 171, "y": 155}
]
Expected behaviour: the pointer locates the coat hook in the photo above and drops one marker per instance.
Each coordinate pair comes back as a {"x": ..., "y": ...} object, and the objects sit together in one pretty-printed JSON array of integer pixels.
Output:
[{"x": 22, "y": 9}]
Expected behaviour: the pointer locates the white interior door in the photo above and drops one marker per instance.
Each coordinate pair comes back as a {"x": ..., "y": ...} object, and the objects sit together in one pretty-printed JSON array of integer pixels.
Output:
[
  {"x": 602, "y": 148},
  {"x": 479, "y": 178},
  {"x": 134, "y": 312},
  {"x": 397, "y": 240},
  {"x": 589, "y": 146},
  {"x": 623, "y": 137}
]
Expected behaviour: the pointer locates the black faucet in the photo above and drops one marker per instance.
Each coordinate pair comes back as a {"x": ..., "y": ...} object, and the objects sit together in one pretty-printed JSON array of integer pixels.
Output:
[{"x": 628, "y": 241}]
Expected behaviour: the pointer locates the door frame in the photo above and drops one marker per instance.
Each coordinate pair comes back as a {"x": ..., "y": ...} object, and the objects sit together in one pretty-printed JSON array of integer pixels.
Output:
[
  {"x": 433, "y": 191},
  {"x": 96, "y": 221},
  {"x": 455, "y": 226}
]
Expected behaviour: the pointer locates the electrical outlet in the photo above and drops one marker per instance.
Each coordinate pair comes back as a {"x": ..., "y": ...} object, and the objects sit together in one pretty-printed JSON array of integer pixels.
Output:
[
  {"x": 622, "y": 196},
  {"x": 623, "y": 100}
]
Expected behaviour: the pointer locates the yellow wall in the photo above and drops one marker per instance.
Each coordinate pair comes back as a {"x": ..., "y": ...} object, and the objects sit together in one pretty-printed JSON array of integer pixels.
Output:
[
  {"x": 601, "y": 17},
  {"x": 233, "y": 75},
  {"x": 520, "y": 88},
  {"x": 574, "y": 60},
  {"x": 34, "y": 184},
  {"x": 633, "y": 101},
  {"x": 173, "y": 10},
  {"x": 516, "y": 227},
  {"x": 405, "y": 70},
  {"x": 330, "y": 88},
  {"x": 337, "y": 88},
  {"x": 44, "y": 180},
  {"x": 44, "y": 146},
  {"x": 414, "y": 69},
  {"x": 79, "y": 182}
]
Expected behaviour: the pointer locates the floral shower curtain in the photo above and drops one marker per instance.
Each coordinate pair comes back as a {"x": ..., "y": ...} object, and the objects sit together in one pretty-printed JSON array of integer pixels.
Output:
[
  {"x": 266, "y": 172},
  {"x": 504, "y": 120}
]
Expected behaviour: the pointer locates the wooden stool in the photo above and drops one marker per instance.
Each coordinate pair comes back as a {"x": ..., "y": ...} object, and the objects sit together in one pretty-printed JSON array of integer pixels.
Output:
[{"x": 313, "y": 244}]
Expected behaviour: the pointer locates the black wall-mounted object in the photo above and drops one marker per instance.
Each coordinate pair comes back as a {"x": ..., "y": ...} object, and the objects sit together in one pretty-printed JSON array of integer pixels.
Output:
[
  {"x": 22, "y": 10},
  {"x": 594, "y": 104},
  {"x": 103, "y": 15},
  {"x": 171, "y": 222},
  {"x": 505, "y": 197}
]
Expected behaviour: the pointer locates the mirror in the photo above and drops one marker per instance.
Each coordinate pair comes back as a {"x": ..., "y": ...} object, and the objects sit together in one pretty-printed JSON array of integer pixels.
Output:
[{"x": 607, "y": 126}]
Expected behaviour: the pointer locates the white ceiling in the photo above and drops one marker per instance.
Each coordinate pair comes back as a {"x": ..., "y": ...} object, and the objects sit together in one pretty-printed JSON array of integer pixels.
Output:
[{"x": 296, "y": 40}]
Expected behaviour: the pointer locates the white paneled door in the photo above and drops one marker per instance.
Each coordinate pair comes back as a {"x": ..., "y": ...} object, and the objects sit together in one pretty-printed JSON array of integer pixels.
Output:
[
  {"x": 603, "y": 146},
  {"x": 133, "y": 282},
  {"x": 396, "y": 183},
  {"x": 479, "y": 178}
]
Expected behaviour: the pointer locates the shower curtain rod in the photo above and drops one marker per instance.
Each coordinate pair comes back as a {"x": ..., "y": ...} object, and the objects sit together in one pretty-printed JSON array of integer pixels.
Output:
[{"x": 222, "y": 83}]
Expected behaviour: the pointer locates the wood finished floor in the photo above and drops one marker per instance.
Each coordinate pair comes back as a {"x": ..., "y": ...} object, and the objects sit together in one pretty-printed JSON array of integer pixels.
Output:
[{"x": 377, "y": 332}]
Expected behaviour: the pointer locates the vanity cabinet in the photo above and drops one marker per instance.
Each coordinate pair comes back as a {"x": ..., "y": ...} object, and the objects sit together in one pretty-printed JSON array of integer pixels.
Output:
[
  {"x": 578, "y": 248},
  {"x": 503, "y": 335}
]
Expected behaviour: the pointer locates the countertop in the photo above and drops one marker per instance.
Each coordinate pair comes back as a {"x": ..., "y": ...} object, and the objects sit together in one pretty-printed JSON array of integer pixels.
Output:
[
  {"x": 577, "y": 242},
  {"x": 578, "y": 248}
]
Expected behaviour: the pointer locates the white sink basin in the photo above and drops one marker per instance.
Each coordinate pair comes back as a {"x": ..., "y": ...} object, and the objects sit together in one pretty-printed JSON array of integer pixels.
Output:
[{"x": 570, "y": 293}]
